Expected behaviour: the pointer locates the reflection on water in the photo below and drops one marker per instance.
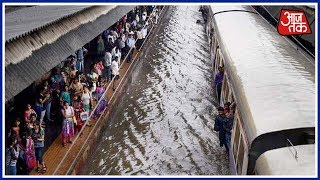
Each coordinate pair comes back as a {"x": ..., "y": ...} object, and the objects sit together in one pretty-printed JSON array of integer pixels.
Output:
[{"x": 163, "y": 125}]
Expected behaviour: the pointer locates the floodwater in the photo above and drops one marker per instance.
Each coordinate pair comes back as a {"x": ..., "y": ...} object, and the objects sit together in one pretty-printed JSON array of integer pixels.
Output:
[{"x": 163, "y": 125}]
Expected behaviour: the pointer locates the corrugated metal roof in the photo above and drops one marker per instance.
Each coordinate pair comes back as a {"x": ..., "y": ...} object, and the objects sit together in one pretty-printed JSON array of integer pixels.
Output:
[
  {"x": 21, "y": 72},
  {"x": 28, "y": 19}
]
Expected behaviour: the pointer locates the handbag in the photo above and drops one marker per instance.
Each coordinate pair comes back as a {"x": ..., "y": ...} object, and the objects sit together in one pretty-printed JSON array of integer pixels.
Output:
[
  {"x": 84, "y": 115},
  {"x": 30, "y": 157},
  {"x": 74, "y": 120}
]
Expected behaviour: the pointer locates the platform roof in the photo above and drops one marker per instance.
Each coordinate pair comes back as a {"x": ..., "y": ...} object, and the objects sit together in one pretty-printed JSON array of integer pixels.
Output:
[
  {"x": 28, "y": 19},
  {"x": 29, "y": 57}
]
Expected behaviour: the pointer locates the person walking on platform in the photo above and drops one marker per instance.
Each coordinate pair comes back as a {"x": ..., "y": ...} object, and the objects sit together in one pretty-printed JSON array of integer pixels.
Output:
[
  {"x": 156, "y": 16},
  {"x": 65, "y": 95},
  {"x": 120, "y": 45},
  {"x": 80, "y": 58},
  {"x": 78, "y": 108},
  {"x": 86, "y": 99},
  {"x": 40, "y": 105},
  {"x": 76, "y": 87},
  {"x": 13, "y": 155},
  {"x": 67, "y": 126},
  {"x": 110, "y": 44},
  {"x": 28, "y": 112},
  {"x": 117, "y": 56},
  {"x": 100, "y": 47},
  {"x": 144, "y": 16},
  {"x": 131, "y": 45},
  {"x": 38, "y": 138},
  {"x": 47, "y": 103},
  {"x": 145, "y": 32},
  {"x": 139, "y": 38},
  {"x": 107, "y": 66},
  {"x": 16, "y": 129},
  {"x": 115, "y": 72}
]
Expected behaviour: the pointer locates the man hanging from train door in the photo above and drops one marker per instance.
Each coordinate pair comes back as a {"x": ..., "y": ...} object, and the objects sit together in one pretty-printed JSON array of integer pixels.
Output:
[
  {"x": 218, "y": 82},
  {"x": 219, "y": 126},
  {"x": 227, "y": 127}
]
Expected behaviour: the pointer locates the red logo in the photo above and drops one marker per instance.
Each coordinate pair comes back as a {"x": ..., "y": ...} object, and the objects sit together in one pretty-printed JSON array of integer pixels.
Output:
[{"x": 293, "y": 23}]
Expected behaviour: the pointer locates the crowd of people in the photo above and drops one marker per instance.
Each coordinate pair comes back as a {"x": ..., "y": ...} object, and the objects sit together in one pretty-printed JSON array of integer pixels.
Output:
[{"x": 67, "y": 97}]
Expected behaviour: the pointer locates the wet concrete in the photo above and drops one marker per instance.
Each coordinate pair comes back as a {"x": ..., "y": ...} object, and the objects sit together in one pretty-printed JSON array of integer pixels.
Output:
[{"x": 163, "y": 124}]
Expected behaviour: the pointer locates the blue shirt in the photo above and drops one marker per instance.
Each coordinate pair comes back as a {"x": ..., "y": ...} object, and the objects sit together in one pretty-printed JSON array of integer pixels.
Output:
[
  {"x": 218, "y": 121},
  {"x": 131, "y": 42},
  {"x": 228, "y": 124}
]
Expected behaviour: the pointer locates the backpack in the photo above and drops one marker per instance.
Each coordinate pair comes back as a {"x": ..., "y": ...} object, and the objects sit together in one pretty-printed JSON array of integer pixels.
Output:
[{"x": 30, "y": 157}]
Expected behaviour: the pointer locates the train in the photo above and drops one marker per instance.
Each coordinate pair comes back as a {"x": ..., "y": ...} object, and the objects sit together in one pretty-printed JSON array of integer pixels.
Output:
[{"x": 272, "y": 83}]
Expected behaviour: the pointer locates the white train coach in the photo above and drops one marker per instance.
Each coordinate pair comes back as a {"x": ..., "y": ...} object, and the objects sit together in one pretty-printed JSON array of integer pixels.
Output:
[{"x": 273, "y": 84}]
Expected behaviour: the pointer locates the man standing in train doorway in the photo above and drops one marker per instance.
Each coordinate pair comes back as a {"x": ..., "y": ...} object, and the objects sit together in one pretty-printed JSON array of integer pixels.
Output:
[
  {"x": 218, "y": 82},
  {"x": 219, "y": 126}
]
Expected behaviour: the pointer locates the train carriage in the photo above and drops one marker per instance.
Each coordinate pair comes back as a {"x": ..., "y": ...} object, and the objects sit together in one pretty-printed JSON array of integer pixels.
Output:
[{"x": 273, "y": 84}]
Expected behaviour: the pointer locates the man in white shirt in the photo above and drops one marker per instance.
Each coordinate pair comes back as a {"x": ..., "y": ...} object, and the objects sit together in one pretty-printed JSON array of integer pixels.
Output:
[
  {"x": 117, "y": 56},
  {"x": 144, "y": 16},
  {"x": 131, "y": 44},
  {"x": 157, "y": 16},
  {"x": 115, "y": 72},
  {"x": 107, "y": 65},
  {"x": 139, "y": 39},
  {"x": 145, "y": 31}
]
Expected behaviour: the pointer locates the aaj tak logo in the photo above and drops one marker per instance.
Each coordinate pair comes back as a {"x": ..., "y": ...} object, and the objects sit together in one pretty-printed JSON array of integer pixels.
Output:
[{"x": 293, "y": 23}]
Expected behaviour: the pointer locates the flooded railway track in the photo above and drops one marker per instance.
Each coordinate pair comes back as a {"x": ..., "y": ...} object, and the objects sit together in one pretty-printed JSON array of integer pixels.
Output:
[{"x": 163, "y": 123}]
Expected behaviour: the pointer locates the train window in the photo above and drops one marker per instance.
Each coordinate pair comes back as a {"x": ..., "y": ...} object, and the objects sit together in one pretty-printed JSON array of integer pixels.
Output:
[
  {"x": 240, "y": 156},
  {"x": 232, "y": 98},
  {"x": 217, "y": 60},
  {"x": 227, "y": 92},
  {"x": 236, "y": 136},
  {"x": 225, "y": 89},
  {"x": 221, "y": 57},
  {"x": 213, "y": 41},
  {"x": 230, "y": 95},
  {"x": 215, "y": 44}
]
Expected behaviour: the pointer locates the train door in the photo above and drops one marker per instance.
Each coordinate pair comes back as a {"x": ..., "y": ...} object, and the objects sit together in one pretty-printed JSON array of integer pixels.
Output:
[
  {"x": 239, "y": 146},
  {"x": 214, "y": 55},
  {"x": 225, "y": 90},
  {"x": 213, "y": 51},
  {"x": 218, "y": 60}
]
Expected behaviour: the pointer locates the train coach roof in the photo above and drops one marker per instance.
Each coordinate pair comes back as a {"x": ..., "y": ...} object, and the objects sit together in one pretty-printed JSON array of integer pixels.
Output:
[
  {"x": 222, "y": 8},
  {"x": 282, "y": 161},
  {"x": 274, "y": 83}
]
